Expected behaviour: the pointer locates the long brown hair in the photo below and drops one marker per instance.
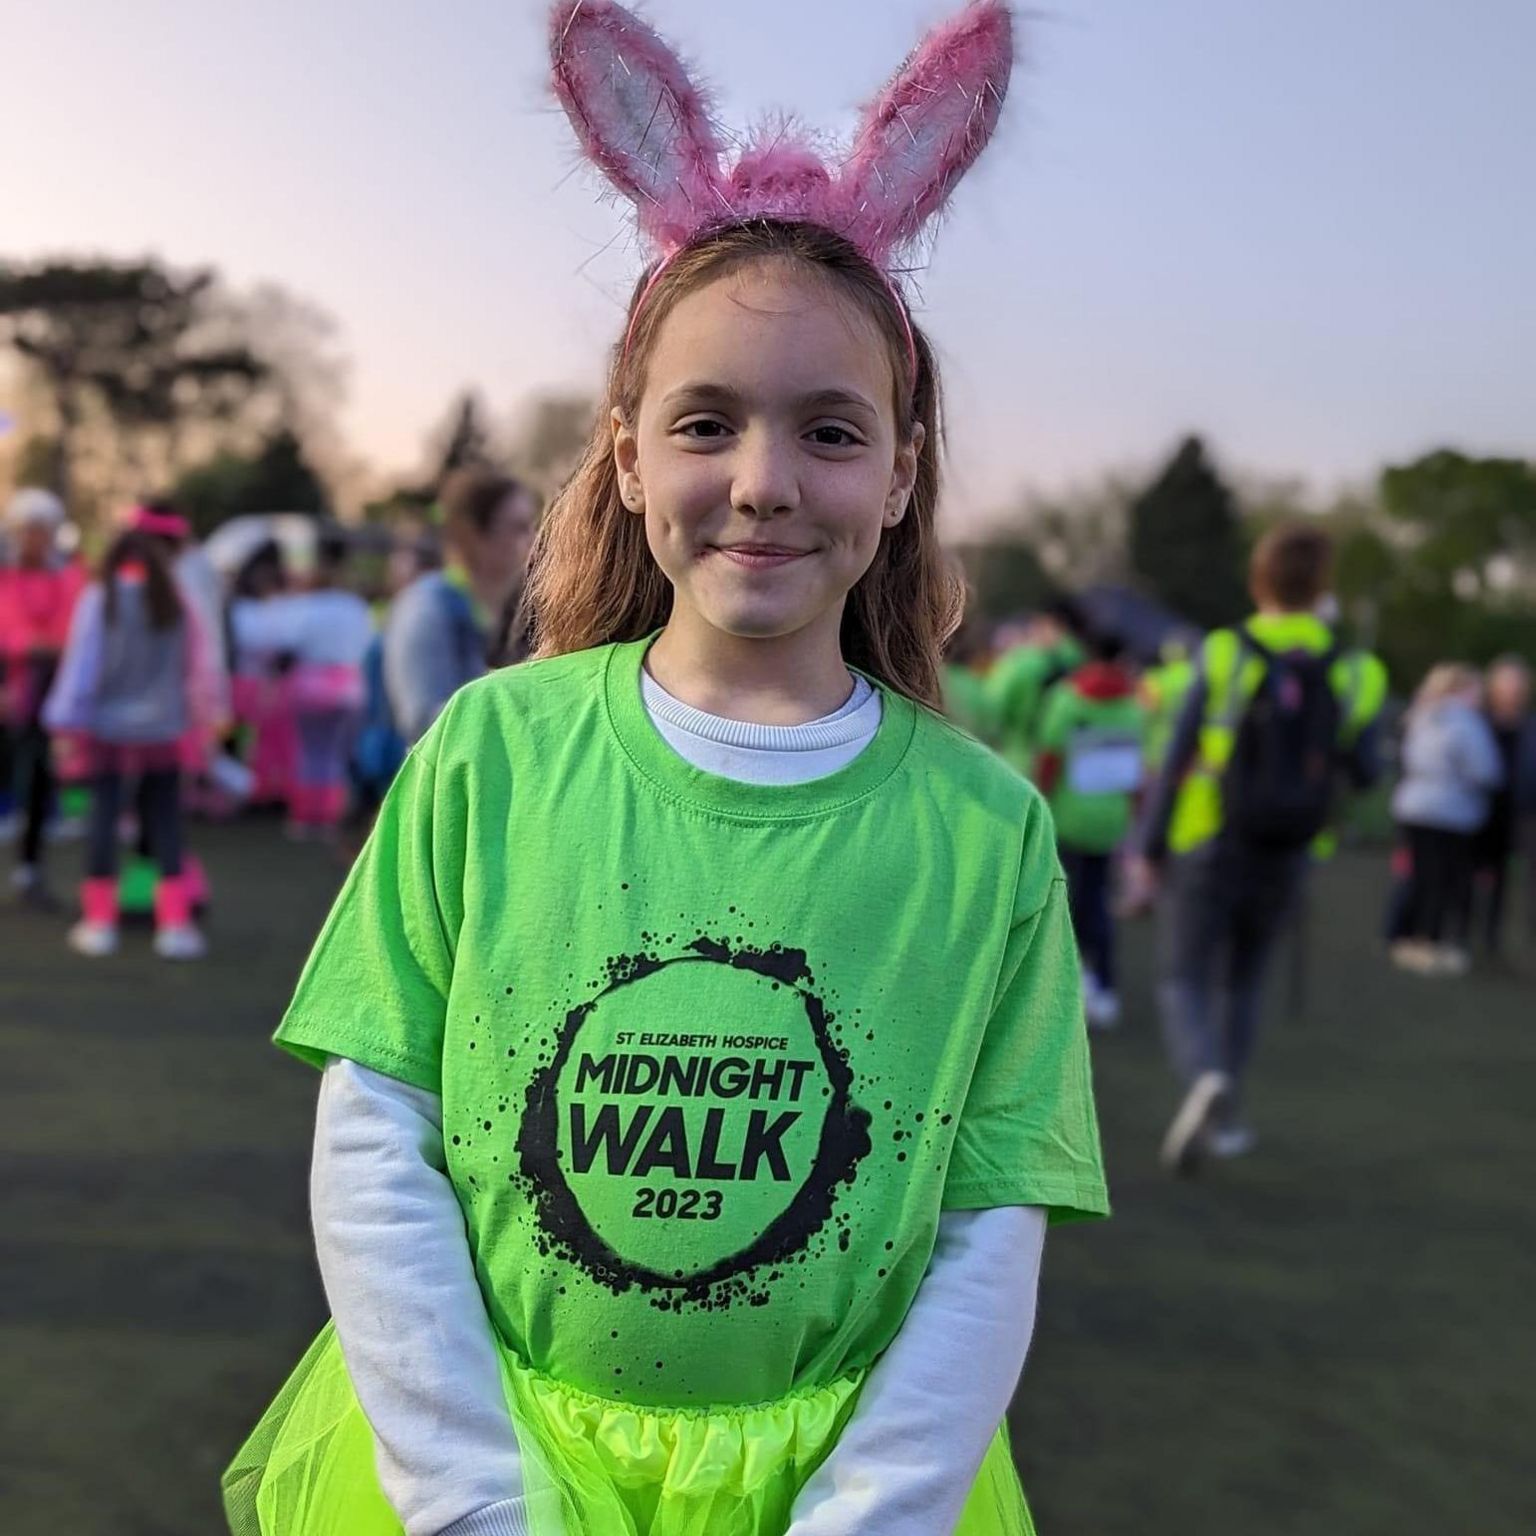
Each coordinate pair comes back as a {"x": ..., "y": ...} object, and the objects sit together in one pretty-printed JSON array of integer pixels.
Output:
[
  {"x": 160, "y": 593},
  {"x": 593, "y": 579}
]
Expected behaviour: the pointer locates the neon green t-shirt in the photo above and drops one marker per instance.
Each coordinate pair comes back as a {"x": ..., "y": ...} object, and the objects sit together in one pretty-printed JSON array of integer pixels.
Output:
[
  {"x": 1100, "y": 744},
  {"x": 713, "y": 1056}
]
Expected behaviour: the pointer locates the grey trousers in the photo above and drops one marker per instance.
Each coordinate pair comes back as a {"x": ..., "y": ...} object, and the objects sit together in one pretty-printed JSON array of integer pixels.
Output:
[{"x": 1223, "y": 909}]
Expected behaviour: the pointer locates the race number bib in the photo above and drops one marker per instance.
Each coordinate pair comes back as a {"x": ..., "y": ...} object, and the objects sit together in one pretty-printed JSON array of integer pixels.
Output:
[{"x": 1101, "y": 764}]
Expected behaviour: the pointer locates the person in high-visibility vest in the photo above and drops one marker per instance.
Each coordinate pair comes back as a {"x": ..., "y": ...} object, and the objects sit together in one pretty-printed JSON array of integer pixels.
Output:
[
  {"x": 1277, "y": 712},
  {"x": 1163, "y": 691}
]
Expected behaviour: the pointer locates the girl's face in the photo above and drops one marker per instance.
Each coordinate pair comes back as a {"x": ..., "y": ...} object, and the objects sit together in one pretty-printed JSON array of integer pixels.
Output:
[{"x": 765, "y": 457}]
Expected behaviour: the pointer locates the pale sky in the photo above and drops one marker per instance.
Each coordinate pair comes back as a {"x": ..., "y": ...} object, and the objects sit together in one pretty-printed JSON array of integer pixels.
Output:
[{"x": 1305, "y": 229}]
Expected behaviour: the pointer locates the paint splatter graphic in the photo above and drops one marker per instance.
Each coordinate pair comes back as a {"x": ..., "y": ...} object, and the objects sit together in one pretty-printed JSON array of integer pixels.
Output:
[{"x": 821, "y": 1085}]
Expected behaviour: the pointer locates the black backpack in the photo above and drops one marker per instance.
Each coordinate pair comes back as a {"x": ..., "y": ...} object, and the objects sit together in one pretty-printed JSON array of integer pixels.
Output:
[{"x": 1279, "y": 781}]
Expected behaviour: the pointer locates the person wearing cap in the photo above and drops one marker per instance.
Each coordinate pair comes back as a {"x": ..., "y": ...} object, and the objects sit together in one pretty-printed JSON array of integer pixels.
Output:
[
  {"x": 136, "y": 681},
  {"x": 37, "y": 597}
]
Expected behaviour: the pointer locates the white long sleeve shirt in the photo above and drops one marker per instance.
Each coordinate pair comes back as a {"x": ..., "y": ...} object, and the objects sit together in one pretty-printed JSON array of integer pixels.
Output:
[{"x": 419, "y": 1347}]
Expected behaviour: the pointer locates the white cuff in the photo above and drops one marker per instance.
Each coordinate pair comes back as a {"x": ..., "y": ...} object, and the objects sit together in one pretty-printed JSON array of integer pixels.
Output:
[{"x": 508, "y": 1518}]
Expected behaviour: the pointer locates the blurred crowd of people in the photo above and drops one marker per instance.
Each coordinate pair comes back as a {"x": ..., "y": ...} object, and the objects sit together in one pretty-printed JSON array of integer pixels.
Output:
[
  {"x": 1207, "y": 782},
  {"x": 1204, "y": 781},
  {"x": 1465, "y": 809},
  {"x": 155, "y": 683}
]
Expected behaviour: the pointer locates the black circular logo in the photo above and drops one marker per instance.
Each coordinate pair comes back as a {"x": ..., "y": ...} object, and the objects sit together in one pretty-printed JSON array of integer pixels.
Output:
[{"x": 694, "y": 1122}]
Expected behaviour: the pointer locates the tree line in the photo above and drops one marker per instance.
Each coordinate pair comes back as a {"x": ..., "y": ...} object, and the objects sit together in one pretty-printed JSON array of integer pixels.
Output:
[{"x": 137, "y": 375}]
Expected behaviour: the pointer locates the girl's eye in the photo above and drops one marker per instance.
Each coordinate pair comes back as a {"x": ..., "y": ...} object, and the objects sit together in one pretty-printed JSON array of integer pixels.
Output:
[
  {"x": 834, "y": 437},
  {"x": 704, "y": 429}
]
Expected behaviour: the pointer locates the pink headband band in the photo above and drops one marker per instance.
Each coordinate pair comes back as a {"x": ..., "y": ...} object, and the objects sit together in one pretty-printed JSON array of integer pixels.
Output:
[
  {"x": 164, "y": 525},
  {"x": 890, "y": 288}
]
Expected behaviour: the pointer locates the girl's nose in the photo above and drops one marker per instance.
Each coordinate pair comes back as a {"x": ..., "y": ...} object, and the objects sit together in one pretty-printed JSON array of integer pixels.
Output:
[{"x": 764, "y": 480}]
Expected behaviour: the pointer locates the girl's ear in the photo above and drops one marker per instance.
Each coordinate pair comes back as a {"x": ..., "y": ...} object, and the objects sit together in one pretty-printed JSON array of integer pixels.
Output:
[
  {"x": 904, "y": 475},
  {"x": 626, "y": 462},
  {"x": 638, "y": 115},
  {"x": 925, "y": 129}
]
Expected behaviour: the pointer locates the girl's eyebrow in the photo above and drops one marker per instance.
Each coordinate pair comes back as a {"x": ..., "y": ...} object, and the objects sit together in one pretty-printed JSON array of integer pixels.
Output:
[{"x": 699, "y": 394}]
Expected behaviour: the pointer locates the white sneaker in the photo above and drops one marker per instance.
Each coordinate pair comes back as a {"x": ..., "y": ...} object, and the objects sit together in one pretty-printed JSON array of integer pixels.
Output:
[
  {"x": 1230, "y": 1141},
  {"x": 181, "y": 941},
  {"x": 1103, "y": 1008},
  {"x": 93, "y": 939},
  {"x": 1414, "y": 955},
  {"x": 1185, "y": 1140}
]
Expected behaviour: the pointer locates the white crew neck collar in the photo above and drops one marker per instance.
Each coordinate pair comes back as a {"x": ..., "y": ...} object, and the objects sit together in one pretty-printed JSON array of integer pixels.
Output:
[{"x": 847, "y": 724}]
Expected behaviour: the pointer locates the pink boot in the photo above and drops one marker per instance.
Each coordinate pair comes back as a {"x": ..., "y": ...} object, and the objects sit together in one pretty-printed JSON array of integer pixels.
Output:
[
  {"x": 176, "y": 935},
  {"x": 95, "y": 935}
]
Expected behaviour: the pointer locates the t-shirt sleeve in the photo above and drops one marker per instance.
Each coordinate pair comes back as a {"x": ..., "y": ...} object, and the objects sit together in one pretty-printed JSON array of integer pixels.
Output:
[
  {"x": 375, "y": 987},
  {"x": 1028, "y": 1134}
]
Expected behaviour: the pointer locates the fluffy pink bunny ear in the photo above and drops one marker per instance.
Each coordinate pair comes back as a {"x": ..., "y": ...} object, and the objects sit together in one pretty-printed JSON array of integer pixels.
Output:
[
  {"x": 638, "y": 116},
  {"x": 926, "y": 128}
]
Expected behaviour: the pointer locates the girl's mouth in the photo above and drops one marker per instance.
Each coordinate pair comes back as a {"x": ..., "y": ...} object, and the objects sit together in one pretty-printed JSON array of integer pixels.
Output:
[{"x": 760, "y": 557}]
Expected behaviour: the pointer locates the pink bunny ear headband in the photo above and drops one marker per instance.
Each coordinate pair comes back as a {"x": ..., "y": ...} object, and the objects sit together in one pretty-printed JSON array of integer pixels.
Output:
[{"x": 647, "y": 127}]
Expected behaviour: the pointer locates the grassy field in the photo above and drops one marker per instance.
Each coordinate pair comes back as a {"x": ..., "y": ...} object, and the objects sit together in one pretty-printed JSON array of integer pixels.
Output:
[{"x": 1335, "y": 1336}]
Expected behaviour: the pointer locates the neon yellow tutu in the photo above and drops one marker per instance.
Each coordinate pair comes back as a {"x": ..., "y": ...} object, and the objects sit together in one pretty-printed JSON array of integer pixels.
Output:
[{"x": 591, "y": 1467}]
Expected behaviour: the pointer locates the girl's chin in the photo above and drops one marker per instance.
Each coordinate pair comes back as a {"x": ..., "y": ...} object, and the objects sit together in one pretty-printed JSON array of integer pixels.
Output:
[{"x": 761, "y": 622}]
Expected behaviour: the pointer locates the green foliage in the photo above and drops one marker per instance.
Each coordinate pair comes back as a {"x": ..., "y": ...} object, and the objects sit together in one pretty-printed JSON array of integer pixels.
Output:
[
  {"x": 1471, "y": 522},
  {"x": 36, "y": 460},
  {"x": 128, "y": 341},
  {"x": 1187, "y": 541},
  {"x": 277, "y": 479},
  {"x": 1005, "y": 578},
  {"x": 1443, "y": 565}
]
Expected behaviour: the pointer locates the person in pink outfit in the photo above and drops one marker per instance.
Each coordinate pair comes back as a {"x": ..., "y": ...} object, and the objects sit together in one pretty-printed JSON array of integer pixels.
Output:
[
  {"x": 323, "y": 634},
  {"x": 137, "y": 678},
  {"x": 37, "y": 597},
  {"x": 259, "y": 680}
]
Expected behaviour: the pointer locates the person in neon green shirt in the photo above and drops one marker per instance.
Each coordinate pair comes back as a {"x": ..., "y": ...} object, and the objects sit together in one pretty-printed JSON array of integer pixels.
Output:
[
  {"x": 703, "y": 1124},
  {"x": 1021, "y": 678},
  {"x": 1089, "y": 768},
  {"x": 967, "y": 700},
  {"x": 1278, "y": 713}
]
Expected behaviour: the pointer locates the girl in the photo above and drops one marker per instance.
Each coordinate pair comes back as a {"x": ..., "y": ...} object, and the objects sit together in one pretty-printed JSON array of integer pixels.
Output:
[
  {"x": 1451, "y": 766},
  {"x": 702, "y": 1037},
  {"x": 137, "y": 680},
  {"x": 1089, "y": 768}
]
